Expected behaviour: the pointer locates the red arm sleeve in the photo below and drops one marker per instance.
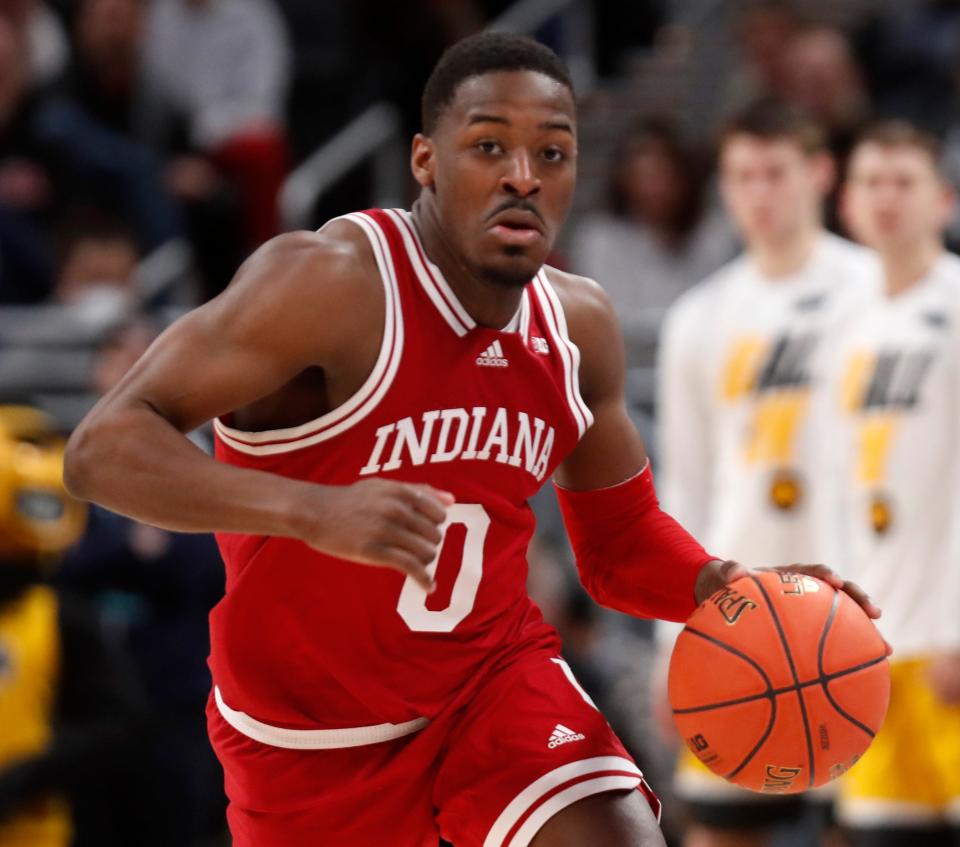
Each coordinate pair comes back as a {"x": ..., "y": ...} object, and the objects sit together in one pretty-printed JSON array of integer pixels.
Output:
[{"x": 632, "y": 556}]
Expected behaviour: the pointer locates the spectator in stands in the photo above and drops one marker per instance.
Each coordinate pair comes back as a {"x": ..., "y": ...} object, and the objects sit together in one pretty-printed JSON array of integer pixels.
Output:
[
  {"x": 68, "y": 702},
  {"x": 48, "y": 50},
  {"x": 224, "y": 66},
  {"x": 659, "y": 236},
  {"x": 54, "y": 158},
  {"x": 822, "y": 77},
  {"x": 98, "y": 262},
  {"x": 763, "y": 29},
  {"x": 166, "y": 583},
  {"x": 106, "y": 76}
]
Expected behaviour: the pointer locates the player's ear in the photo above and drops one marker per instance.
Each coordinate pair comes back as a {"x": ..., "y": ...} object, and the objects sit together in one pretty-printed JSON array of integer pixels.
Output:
[{"x": 423, "y": 160}]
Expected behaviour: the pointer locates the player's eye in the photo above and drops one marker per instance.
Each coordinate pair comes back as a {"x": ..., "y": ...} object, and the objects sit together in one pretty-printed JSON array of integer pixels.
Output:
[
  {"x": 554, "y": 154},
  {"x": 491, "y": 148}
]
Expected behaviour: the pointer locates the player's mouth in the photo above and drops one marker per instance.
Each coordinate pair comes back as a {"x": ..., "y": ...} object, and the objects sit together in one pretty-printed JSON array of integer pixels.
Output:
[{"x": 517, "y": 227}]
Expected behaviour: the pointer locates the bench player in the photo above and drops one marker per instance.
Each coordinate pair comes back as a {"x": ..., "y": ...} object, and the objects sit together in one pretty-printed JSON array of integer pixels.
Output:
[
  {"x": 388, "y": 394},
  {"x": 894, "y": 425},
  {"x": 742, "y": 367}
]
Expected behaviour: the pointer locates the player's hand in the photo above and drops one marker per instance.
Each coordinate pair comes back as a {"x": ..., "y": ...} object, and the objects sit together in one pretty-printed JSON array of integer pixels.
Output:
[
  {"x": 716, "y": 574},
  {"x": 379, "y": 522},
  {"x": 944, "y": 677}
]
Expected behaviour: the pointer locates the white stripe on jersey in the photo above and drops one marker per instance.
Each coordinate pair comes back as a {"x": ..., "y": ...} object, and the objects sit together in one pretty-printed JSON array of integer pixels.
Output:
[{"x": 366, "y": 398}]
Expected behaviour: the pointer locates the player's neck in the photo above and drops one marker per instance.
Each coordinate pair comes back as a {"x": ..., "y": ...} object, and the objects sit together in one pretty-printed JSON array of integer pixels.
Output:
[
  {"x": 781, "y": 258},
  {"x": 905, "y": 266},
  {"x": 488, "y": 303}
]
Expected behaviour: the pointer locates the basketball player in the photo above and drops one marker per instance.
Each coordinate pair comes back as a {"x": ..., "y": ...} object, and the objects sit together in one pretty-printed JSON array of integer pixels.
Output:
[
  {"x": 388, "y": 394},
  {"x": 897, "y": 454},
  {"x": 741, "y": 357}
]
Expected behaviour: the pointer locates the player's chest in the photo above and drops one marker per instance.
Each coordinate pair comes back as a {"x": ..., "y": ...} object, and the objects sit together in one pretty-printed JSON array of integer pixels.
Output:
[{"x": 489, "y": 405}]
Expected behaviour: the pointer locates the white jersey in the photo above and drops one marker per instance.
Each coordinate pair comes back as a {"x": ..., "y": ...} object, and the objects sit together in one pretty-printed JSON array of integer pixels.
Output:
[
  {"x": 896, "y": 456},
  {"x": 742, "y": 367}
]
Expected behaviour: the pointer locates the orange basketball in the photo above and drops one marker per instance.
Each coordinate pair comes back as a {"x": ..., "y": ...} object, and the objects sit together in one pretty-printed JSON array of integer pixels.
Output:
[{"x": 778, "y": 682}]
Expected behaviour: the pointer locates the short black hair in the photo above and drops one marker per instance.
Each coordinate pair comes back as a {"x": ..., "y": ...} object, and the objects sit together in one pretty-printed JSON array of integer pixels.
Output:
[
  {"x": 484, "y": 53},
  {"x": 773, "y": 120}
]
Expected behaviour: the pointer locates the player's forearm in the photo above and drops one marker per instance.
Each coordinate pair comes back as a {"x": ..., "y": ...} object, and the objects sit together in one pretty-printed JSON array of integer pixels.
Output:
[
  {"x": 633, "y": 557},
  {"x": 134, "y": 462}
]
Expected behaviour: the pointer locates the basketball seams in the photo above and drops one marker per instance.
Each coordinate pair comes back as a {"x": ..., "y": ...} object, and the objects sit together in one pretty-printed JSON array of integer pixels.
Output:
[
  {"x": 777, "y": 692},
  {"x": 793, "y": 671},
  {"x": 825, "y": 685},
  {"x": 771, "y": 722},
  {"x": 763, "y": 740}
]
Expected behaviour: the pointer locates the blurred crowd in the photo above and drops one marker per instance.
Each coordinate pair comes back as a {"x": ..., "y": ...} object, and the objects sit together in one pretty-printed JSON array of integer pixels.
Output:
[{"x": 130, "y": 127}]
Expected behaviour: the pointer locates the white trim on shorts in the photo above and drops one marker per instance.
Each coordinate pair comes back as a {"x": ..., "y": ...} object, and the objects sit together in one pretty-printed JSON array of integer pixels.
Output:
[
  {"x": 588, "y": 777},
  {"x": 313, "y": 739}
]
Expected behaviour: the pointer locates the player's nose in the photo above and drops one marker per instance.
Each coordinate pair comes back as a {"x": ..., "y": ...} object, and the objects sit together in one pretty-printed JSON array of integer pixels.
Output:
[{"x": 520, "y": 178}]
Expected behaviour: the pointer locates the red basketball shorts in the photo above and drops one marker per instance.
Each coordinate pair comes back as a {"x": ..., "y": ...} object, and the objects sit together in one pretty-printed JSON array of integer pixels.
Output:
[{"x": 525, "y": 745}]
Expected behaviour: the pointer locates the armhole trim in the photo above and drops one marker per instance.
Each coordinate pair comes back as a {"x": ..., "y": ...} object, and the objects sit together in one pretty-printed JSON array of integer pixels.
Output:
[{"x": 366, "y": 398}]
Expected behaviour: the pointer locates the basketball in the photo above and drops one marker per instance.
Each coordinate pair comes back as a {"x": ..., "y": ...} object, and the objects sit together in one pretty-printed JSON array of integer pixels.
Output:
[{"x": 779, "y": 682}]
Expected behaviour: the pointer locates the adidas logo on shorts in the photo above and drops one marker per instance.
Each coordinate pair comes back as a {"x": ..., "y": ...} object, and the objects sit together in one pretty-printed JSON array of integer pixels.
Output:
[
  {"x": 563, "y": 735},
  {"x": 493, "y": 357}
]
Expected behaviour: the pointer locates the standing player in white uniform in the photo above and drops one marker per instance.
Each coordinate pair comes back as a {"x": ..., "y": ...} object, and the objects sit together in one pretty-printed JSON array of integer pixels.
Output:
[
  {"x": 896, "y": 445},
  {"x": 741, "y": 360}
]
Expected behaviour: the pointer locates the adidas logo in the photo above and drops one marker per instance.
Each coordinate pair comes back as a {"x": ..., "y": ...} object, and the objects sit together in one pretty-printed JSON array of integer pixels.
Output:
[
  {"x": 493, "y": 357},
  {"x": 563, "y": 735}
]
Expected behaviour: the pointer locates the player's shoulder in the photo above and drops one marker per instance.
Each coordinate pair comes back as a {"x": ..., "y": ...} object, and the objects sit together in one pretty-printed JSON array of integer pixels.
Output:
[
  {"x": 586, "y": 306},
  {"x": 337, "y": 258}
]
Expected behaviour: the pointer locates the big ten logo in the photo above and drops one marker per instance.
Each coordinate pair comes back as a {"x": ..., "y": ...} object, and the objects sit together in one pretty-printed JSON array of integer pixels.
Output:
[
  {"x": 797, "y": 584},
  {"x": 731, "y": 604},
  {"x": 778, "y": 779},
  {"x": 700, "y": 747}
]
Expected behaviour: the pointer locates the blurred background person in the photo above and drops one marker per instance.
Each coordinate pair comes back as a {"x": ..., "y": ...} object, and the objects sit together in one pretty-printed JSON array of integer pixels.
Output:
[
  {"x": 742, "y": 355},
  {"x": 68, "y": 702},
  {"x": 104, "y": 167},
  {"x": 223, "y": 67},
  {"x": 660, "y": 234},
  {"x": 157, "y": 589},
  {"x": 896, "y": 458},
  {"x": 54, "y": 161}
]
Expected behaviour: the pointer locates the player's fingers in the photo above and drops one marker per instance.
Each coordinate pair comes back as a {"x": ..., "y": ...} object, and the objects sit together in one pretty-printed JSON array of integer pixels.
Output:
[
  {"x": 403, "y": 560},
  {"x": 828, "y": 575},
  {"x": 425, "y": 551},
  {"x": 861, "y": 596},
  {"x": 418, "y": 524},
  {"x": 731, "y": 571},
  {"x": 430, "y": 501}
]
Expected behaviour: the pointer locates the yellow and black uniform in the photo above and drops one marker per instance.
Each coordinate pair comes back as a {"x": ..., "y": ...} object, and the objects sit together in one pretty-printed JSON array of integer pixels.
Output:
[
  {"x": 66, "y": 705},
  {"x": 743, "y": 358},
  {"x": 66, "y": 708},
  {"x": 895, "y": 438}
]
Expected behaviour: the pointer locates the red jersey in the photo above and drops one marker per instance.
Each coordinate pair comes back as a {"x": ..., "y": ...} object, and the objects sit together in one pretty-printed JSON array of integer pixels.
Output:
[{"x": 303, "y": 640}]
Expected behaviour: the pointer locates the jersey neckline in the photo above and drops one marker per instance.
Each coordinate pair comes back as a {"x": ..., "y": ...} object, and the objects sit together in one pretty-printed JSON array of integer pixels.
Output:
[{"x": 439, "y": 291}]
